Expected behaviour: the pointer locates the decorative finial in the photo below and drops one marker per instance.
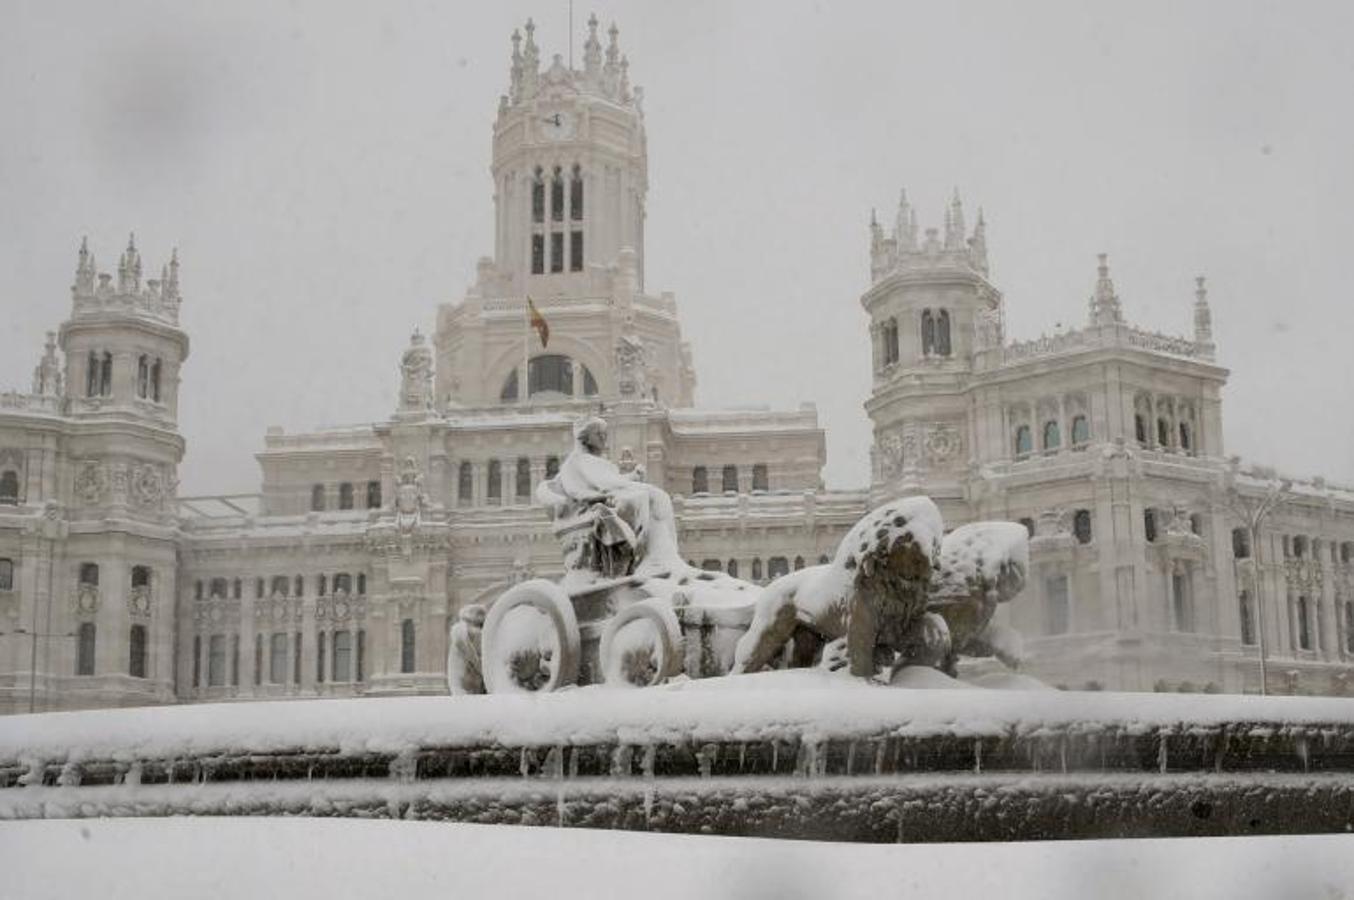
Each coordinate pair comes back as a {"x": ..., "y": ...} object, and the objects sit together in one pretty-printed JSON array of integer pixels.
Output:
[
  {"x": 1200, "y": 291},
  {"x": 1105, "y": 309},
  {"x": 131, "y": 242}
]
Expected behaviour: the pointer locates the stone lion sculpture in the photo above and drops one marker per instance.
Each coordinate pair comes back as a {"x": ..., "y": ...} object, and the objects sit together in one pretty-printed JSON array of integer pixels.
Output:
[{"x": 897, "y": 592}]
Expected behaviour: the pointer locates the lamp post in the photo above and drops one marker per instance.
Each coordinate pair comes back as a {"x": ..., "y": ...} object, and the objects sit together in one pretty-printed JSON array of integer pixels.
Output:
[{"x": 1252, "y": 512}]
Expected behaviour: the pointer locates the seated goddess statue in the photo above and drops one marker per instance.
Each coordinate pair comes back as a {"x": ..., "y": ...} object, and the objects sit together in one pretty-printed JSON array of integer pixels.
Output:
[{"x": 611, "y": 523}]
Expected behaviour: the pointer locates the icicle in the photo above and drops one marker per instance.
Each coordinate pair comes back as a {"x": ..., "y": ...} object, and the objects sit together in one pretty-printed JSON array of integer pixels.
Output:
[
  {"x": 1161, "y": 752},
  {"x": 977, "y": 756},
  {"x": 742, "y": 755},
  {"x": 650, "y": 753},
  {"x": 523, "y": 766},
  {"x": 775, "y": 755},
  {"x": 622, "y": 760},
  {"x": 879, "y": 749},
  {"x": 1302, "y": 750},
  {"x": 850, "y": 757},
  {"x": 705, "y": 758}
]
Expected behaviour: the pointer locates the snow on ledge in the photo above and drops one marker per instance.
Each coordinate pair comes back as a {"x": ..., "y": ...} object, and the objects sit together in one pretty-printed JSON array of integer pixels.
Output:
[{"x": 804, "y": 704}]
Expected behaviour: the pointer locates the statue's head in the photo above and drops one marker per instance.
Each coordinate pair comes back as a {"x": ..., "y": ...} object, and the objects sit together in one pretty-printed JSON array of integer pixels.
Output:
[
  {"x": 591, "y": 434},
  {"x": 473, "y": 614}
]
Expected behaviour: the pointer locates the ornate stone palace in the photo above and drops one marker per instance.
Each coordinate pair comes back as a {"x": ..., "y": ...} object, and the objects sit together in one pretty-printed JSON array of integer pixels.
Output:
[{"x": 1156, "y": 561}]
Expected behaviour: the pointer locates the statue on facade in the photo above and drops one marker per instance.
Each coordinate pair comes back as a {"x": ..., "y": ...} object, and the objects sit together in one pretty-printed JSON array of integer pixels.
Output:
[
  {"x": 410, "y": 500},
  {"x": 465, "y": 670},
  {"x": 416, "y": 375}
]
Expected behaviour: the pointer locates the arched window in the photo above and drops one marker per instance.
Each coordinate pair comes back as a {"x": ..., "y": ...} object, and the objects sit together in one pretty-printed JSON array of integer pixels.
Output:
[
  {"x": 321, "y": 585},
  {"x": 551, "y": 466},
  {"x": 1247, "y": 616},
  {"x": 890, "y": 342},
  {"x": 92, "y": 374},
  {"x": 1182, "y": 603},
  {"x": 928, "y": 333},
  {"x": 298, "y": 586},
  {"x": 495, "y": 487},
  {"x": 730, "y": 479},
  {"x": 732, "y": 567},
  {"x": 1163, "y": 433},
  {"x": 943, "y": 333},
  {"x": 799, "y": 563},
  {"x": 407, "y": 646},
  {"x": 576, "y": 194},
  {"x": 155, "y": 381},
  {"x": 557, "y": 196},
  {"x": 84, "y": 653},
  {"x": 343, "y": 656},
  {"x": 9, "y": 488},
  {"x": 373, "y": 495},
  {"x": 1186, "y": 439},
  {"x": 106, "y": 375},
  {"x": 1299, "y": 547},
  {"x": 538, "y": 197},
  {"x": 277, "y": 658},
  {"x": 317, "y": 498},
  {"x": 140, "y": 577},
  {"x": 343, "y": 583},
  {"x": 218, "y": 589},
  {"x": 823, "y": 560},
  {"x": 6, "y": 574},
  {"x": 281, "y": 586},
  {"x": 136, "y": 651},
  {"x": 523, "y": 478},
  {"x": 1024, "y": 442},
  {"x": 465, "y": 484},
  {"x": 1081, "y": 431},
  {"x": 759, "y": 479},
  {"x": 362, "y": 583},
  {"x": 1304, "y": 623},
  {"x": 1081, "y": 526},
  {"x": 142, "y": 376},
  {"x": 89, "y": 574},
  {"x": 346, "y": 495},
  {"x": 551, "y": 373},
  {"x": 509, "y": 392},
  {"x": 776, "y": 567},
  {"x": 1052, "y": 435},
  {"x": 1149, "y": 524},
  {"x": 700, "y": 480},
  {"x": 319, "y": 657},
  {"x": 757, "y": 568},
  {"x": 1058, "y": 606},
  {"x": 1140, "y": 428}
]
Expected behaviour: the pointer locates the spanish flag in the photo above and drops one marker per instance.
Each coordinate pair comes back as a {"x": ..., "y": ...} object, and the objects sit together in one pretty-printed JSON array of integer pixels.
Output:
[{"x": 537, "y": 321}]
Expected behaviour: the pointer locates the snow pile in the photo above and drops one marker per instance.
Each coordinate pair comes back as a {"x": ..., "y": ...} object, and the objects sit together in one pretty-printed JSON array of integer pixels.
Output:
[{"x": 146, "y": 859}]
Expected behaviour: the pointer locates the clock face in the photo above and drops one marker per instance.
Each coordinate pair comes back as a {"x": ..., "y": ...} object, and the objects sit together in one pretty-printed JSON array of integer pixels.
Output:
[{"x": 557, "y": 126}]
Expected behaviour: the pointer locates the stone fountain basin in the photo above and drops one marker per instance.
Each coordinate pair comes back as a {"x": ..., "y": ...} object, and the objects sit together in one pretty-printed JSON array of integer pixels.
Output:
[{"x": 795, "y": 754}]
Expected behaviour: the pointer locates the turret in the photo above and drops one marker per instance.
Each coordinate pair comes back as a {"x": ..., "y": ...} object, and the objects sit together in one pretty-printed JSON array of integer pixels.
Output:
[{"x": 902, "y": 252}]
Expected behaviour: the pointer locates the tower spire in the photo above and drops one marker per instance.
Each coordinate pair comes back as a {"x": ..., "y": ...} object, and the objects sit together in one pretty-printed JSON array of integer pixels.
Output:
[
  {"x": 954, "y": 224},
  {"x": 1203, "y": 320},
  {"x": 1105, "y": 309},
  {"x": 592, "y": 52},
  {"x": 905, "y": 225},
  {"x": 978, "y": 244}
]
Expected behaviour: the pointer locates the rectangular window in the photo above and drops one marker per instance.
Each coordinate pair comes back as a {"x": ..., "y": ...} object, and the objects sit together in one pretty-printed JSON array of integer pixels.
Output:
[
  {"x": 235, "y": 660},
  {"x": 197, "y": 661},
  {"x": 557, "y": 251},
  {"x": 296, "y": 661},
  {"x": 84, "y": 658},
  {"x": 373, "y": 495},
  {"x": 1181, "y": 603},
  {"x": 407, "y": 646},
  {"x": 216, "y": 660},
  {"x": 258, "y": 659},
  {"x": 557, "y": 198},
  {"x": 538, "y": 200},
  {"x": 1058, "y": 605},
  {"x": 136, "y": 643},
  {"x": 576, "y": 196},
  {"x": 319, "y": 658},
  {"x": 343, "y": 656},
  {"x": 538, "y": 254},
  {"x": 575, "y": 251},
  {"x": 360, "y": 672},
  {"x": 277, "y": 659}
]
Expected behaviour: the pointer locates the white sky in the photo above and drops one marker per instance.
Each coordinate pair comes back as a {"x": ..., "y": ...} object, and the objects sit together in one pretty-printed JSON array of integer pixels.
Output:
[{"x": 323, "y": 169}]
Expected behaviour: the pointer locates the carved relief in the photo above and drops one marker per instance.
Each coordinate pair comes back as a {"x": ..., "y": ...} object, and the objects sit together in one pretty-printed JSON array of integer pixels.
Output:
[
  {"x": 91, "y": 482},
  {"x": 139, "y": 602},
  {"x": 943, "y": 443},
  {"x": 86, "y": 599},
  {"x": 147, "y": 486}
]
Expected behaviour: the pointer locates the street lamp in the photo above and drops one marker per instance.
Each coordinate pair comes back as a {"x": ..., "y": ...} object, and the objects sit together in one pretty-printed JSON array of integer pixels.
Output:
[
  {"x": 33, "y": 659},
  {"x": 1251, "y": 512}
]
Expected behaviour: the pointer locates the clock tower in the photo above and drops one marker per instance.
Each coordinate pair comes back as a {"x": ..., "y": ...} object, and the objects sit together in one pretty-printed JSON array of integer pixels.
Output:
[{"x": 570, "y": 169}]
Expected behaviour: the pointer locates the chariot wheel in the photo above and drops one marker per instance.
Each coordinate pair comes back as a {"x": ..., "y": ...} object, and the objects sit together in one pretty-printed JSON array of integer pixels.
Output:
[
  {"x": 642, "y": 645},
  {"x": 531, "y": 640}
]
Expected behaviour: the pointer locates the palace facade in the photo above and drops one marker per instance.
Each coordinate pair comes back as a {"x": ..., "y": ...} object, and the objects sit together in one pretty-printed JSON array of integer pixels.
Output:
[{"x": 341, "y": 575}]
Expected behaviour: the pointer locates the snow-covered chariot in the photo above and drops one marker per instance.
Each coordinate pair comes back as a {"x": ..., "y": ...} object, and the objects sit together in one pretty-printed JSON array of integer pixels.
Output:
[{"x": 630, "y": 611}]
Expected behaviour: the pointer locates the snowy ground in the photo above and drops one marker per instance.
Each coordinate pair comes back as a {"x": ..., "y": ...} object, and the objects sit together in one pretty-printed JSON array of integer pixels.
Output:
[{"x": 204, "y": 857}]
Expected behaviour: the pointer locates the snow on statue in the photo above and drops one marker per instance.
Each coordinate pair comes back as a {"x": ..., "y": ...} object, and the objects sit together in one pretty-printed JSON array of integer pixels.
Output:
[{"x": 630, "y": 611}]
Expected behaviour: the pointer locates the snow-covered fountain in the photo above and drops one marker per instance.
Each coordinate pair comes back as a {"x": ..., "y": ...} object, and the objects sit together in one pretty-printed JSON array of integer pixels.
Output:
[{"x": 641, "y": 693}]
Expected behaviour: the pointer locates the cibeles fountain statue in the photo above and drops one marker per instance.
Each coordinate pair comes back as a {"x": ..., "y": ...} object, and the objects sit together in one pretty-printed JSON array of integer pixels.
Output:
[{"x": 630, "y": 611}]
